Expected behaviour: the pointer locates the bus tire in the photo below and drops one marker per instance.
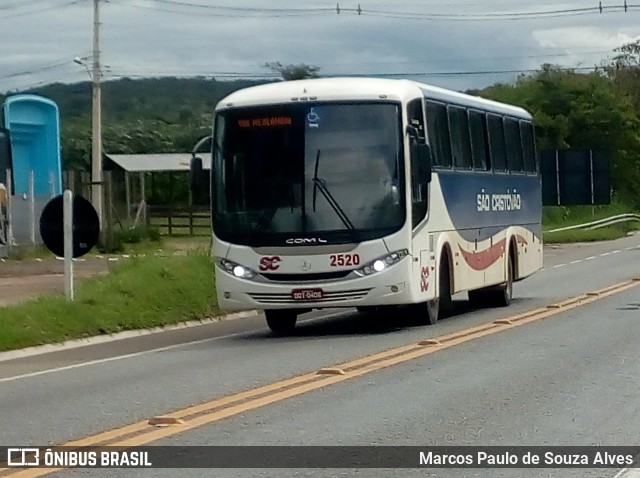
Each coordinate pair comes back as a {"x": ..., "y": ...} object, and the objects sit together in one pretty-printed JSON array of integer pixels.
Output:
[
  {"x": 425, "y": 313},
  {"x": 444, "y": 284},
  {"x": 432, "y": 311},
  {"x": 479, "y": 297},
  {"x": 281, "y": 321},
  {"x": 495, "y": 296},
  {"x": 501, "y": 297}
]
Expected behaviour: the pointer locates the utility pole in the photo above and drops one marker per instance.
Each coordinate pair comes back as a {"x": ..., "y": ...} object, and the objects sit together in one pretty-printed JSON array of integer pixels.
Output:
[{"x": 96, "y": 115}]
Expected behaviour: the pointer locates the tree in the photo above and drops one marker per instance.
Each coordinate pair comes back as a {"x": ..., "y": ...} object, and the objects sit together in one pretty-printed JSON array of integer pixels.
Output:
[
  {"x": 581, "y": 111},
  {"x": 628, "y": 55},
  {"x": 624, "y": 71},
  {"x": 293, "y": 72}
]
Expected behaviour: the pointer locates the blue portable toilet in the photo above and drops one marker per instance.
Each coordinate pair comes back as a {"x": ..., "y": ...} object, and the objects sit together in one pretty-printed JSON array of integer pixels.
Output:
[{"x": 34, "y": 130}]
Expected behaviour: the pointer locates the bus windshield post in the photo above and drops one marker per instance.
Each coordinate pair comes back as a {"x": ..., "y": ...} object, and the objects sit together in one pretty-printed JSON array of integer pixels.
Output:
[{"x": 422, "y": 152}]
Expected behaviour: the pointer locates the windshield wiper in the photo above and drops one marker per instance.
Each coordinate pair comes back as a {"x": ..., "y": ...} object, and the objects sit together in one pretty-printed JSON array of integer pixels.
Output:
[{"x": 319, "y": 184}]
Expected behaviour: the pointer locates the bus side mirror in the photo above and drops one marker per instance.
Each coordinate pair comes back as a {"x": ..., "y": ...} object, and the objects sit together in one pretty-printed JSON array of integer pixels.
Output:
[
  {"x": 199, "y": 182},
  {"x": 425, "y": 158},
  {"x": 421, "y": 156},
  {"x": 413, "y": 132}
]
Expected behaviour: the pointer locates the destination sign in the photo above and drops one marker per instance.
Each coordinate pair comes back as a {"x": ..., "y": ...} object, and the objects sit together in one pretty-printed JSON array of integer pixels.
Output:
[{"x": 266, "y": 122}]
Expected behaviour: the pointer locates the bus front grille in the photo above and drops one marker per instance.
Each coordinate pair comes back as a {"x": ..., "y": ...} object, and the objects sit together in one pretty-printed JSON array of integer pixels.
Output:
[
  {"x": 319, "y": 276},
  {"x": 286, "y": 298}
]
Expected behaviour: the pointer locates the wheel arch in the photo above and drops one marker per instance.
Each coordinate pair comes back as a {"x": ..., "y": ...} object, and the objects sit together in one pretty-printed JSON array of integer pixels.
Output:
[
  {"x": 444, "y": 249},
  {"x": 512, "y": 254}
]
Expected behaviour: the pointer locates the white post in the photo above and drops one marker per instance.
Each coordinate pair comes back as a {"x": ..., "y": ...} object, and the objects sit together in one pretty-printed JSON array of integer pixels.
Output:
[
  {"x": 127, "y": 194},
  {"x": 143, "y": 199},
  {"x": 67, "y": 214},
  {"x": 32, "y": 208}
]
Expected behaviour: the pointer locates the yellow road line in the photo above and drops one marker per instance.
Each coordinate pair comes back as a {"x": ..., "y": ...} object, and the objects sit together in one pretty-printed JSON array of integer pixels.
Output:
[{"x": 142, "y": 433}]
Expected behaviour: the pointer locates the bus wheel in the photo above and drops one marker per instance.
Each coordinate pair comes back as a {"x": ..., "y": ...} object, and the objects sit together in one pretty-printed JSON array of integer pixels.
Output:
[
  {"x": 444, "y": 282},
  {"x": 281, "y": 321},
  {"x": 432, "y": 311},
  {"x": 425, "y": 313},
  {"x": 495, "y": 296},
  {"x": 501, "y": 297},
  {"x": 478, "y": 298}
]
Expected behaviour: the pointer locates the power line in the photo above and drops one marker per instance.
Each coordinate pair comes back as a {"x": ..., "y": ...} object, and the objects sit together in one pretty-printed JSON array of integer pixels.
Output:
[
  {"x": 163, "y": 71},
  {"x": 44, "y": 68},
  {"x": 191, "y": 8},
  {"x": 528, "y": 15},
  {"x": 231, "y": 12},
  {"x": 470, "y": 73},
  {"x": 116, "y": 73},
  {"x": 229, "y": 75},
  {"x": 246, "y": 9},
  {"x": 41, "y": 9},
  {"x": 21, "y": 4}
]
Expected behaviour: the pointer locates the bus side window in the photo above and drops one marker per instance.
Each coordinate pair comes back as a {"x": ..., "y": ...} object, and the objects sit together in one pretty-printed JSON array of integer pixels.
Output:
[
  {"x": 528, "y": 146},
  {"x": 439, "y": 139},
  {"x": 514, "y": 145},
  {"x": 460, "y": 141},
  {"x": 497, "y": 145},
  {"x": 479, "y": 140}
]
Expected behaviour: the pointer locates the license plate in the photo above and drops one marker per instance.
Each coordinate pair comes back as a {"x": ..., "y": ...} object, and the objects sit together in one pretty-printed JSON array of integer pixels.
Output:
[{"x": 307, "y": 294}]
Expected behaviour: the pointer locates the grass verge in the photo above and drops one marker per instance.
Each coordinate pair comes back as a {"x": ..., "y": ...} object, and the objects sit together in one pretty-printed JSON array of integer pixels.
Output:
[
  {"x": 578, "y": 235},
  {"x": 558, "y": 217},
  {"x": 561, "y": 216},
  {"x": 141, "y": 293}
]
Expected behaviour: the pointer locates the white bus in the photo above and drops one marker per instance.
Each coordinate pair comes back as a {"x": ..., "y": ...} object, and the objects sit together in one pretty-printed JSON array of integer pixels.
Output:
[{"x": 368, "y": 193}]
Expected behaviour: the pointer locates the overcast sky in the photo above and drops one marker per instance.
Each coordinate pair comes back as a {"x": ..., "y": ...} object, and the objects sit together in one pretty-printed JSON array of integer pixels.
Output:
[{"x": 452, "y": 43}]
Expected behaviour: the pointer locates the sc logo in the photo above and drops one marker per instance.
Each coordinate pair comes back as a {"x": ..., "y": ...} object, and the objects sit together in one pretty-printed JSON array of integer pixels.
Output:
[{"x": 270, "y": 263}]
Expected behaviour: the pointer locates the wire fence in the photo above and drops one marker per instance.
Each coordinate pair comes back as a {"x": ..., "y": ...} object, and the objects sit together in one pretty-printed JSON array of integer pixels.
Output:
[{"x": 125, "y": 206}]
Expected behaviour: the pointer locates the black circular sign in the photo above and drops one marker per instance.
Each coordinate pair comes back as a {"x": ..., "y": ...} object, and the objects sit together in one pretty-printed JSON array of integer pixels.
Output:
[{"x": 86, "y": 226}]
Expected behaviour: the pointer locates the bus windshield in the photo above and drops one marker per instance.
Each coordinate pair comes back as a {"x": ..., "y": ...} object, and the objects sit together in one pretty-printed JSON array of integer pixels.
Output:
[{"x": 308, "y": 173}]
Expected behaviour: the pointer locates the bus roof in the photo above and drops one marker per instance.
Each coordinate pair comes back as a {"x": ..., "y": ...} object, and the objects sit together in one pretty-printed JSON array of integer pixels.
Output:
[{"x": 358, "y": 89}]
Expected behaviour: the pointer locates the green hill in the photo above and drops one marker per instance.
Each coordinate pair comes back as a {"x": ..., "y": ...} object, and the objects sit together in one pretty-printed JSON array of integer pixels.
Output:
[{"x": 138, "y": 116}]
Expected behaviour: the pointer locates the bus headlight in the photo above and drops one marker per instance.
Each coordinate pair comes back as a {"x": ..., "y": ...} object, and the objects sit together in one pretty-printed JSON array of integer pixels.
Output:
[
  {"x": 236, "y": 269},
  {"x": 381, "y": 263}
]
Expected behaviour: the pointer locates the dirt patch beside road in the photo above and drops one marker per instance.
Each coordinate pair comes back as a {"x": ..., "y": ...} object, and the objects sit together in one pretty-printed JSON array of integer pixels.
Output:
[
  {"x": 25, "y": 279},
  {"x": 29, "y": 278}
]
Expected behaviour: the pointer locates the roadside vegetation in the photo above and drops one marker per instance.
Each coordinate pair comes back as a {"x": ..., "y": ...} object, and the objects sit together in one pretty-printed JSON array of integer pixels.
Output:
[
  {"x": 596, "y": 110},
  {"x": 561, "y": 217},
  {"x": 140, "y": 293},
  {"x": 592, "y": 235},
  {"x": 151, "y": 290}
]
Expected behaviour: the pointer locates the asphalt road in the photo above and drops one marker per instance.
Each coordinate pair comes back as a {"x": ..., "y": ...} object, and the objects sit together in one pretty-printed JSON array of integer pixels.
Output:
[{"x": 571, "y": 379}]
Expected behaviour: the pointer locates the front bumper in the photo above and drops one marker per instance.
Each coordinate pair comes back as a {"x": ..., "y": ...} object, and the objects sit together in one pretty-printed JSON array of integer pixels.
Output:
[{"x": 389, "y": 287}]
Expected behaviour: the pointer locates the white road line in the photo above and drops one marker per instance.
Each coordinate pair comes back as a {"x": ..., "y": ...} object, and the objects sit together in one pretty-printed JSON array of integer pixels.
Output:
[
  {"x": 559, "y": 265},
  {"x": 145, "y": 352},
  {"x": 575, "y": 262},
  {"x": 628, "y": 473},
  {"x": 615, "y": 252},
  {"x": 590, "y": 258},
  {"x": 119, "y": 357},
  {"x": 604, "y": 254},
  {"x": 103, "y": 339}
]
